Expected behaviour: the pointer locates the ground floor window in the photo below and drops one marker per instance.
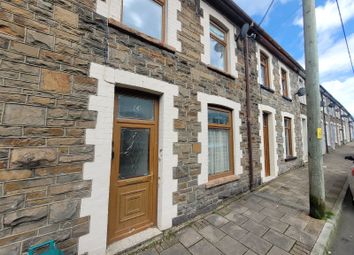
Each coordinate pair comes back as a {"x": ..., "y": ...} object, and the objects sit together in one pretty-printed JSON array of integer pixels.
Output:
[
  {"x": 220, "y": 142},
  {"x": 288, "y": 138}
]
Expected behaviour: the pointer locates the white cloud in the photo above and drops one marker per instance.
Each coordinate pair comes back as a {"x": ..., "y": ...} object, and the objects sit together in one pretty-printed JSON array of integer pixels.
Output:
[
  {"x": 256, "y": 7},
  {"x": 343, "y": 91},
  {"x": 334, "y": 59},
  {"x": 327, "y": 16}
]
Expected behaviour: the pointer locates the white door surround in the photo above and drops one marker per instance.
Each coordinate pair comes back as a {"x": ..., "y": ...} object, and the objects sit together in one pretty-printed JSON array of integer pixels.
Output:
[
  {"x": 99, "y": 170},
  {"x": 273, "y": 145}
]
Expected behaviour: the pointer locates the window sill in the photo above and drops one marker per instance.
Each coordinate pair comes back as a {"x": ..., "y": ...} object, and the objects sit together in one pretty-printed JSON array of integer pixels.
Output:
[
  {"x": 221, "y": 72},
  {"x": 287, "y": 98},
  {"x": 290, "y": 159},
  {"x": 119, "y": 25},
  {"x": 221, "y": 181},
  {"x": 266, "y": 88}
]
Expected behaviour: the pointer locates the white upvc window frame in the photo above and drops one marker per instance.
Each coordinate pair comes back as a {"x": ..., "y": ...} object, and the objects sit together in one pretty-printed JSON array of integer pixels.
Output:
[
  {"x": 206, "y": 100},
  {"x": 293, "y": 133},
  {"x": 285, "y": 68},
  {"x": 210, "y": 15},
  {"x": 260, "y": 49}
]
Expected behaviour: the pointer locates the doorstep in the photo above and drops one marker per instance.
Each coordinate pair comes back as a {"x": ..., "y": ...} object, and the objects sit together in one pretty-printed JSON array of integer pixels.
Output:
[{"x": 131, "y": 241}]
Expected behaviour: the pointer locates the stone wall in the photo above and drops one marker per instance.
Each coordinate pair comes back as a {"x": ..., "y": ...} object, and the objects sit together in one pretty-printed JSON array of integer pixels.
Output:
[
  {"x": 275, "y": 100},
  {"x": 44, "y": 92}
]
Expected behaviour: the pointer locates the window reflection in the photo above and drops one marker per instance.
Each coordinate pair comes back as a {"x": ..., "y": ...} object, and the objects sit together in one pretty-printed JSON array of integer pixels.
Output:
[
  {"x": 132, "y": 107},
  {"x": 143, "y": 15},
  {"x": 217, "y": 47}
]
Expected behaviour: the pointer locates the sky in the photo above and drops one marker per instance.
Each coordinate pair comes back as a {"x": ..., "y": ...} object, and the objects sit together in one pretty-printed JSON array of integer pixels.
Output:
[{"x": 284, "y": 23}]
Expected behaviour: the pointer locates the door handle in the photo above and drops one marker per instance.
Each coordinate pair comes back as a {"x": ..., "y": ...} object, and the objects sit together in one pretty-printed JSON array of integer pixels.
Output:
[{"x": 112, "y": 154}]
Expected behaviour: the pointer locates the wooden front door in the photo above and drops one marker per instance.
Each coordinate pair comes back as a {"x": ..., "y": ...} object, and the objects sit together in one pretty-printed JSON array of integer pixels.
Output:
[
  {"x": 266, "y": 144},
  {"x": 133, "y": 188}
]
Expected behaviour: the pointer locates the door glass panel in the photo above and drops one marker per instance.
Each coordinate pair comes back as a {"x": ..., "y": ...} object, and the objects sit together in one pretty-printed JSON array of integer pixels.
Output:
[
  {"x": 134, "y": 153},
  {"x": 132, "y": 107}
]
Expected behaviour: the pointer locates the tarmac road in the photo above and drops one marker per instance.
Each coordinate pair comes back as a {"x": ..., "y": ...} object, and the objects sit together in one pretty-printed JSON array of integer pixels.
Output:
[{"x": 344, "y": 239}]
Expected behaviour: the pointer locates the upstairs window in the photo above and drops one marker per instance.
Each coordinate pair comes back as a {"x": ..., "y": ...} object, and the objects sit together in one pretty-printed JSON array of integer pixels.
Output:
[
  {"x": 146, "y": 16},
  {"x": 218, "y": 45},
  {"x": 288, "y": 138},
  {"x": 284, "y": 82},
  {"x": 264, "y": 70},
  {"x": 220, "y": 142}
]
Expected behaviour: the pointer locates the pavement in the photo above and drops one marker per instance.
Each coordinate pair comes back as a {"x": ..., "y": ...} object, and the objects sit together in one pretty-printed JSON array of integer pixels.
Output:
[
  {"x": 344, "y": 242},
  {"x": 273, "y": 220}
]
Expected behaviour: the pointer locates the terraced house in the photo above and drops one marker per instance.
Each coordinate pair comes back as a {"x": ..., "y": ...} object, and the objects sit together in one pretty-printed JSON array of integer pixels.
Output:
[{"x": 122, "y": 118}]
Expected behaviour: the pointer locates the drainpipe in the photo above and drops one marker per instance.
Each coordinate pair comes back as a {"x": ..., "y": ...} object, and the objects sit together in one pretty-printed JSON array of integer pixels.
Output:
[
  {"x": 248, "y": 110},
  {"x": 324, "y": 123}
]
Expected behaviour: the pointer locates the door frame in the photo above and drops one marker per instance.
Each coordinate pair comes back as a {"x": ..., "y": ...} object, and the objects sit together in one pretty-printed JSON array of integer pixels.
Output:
[
  {"x": 266, "y": 146},
  {"x": 98, "y": 171},
  {"x": 118, "y": 124},
  {"x": 273, "y": 145}
]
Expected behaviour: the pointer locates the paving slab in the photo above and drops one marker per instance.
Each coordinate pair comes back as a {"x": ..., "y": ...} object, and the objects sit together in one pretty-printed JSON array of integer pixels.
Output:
[
  {"x": 177, "y": 249},
  {"x": 230, "y": 246},
  {"x": 216, "y": 220},
  {"x": 255, "y": 228},
  {"x": 258, "y": 217},
  {"x": 275, "y": 224},
  {"x": 256, "y": 243},
  {"x": 234, "y": 230},
  {"x": 279, "y": 239},
  {"x": 277, "y": 251},
  {"x": 236, "y": 217},
  {"x": 189, "y": 237},
  {"x": 204, "y": 248},
  {"x": 212, "y": 233}
]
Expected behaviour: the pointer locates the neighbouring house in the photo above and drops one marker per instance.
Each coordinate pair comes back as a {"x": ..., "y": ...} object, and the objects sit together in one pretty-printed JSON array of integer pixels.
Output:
[{"x": 122, "y": 118}]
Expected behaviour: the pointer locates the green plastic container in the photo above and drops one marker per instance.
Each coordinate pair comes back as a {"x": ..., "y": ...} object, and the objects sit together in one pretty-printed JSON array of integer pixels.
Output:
[{"x": 52, "y": 249}]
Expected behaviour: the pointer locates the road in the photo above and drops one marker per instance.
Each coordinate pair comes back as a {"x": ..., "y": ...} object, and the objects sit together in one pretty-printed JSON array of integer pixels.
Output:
[{"x": 344, "y": 239}]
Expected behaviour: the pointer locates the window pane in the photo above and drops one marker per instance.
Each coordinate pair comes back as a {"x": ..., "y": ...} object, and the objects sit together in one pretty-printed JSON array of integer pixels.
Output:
[
  {"x": 263, "y": 75},
  {"x": 131, "y": 107},
  {"x": 217, "y": 54},
  {"x": 218, "y": 117},
  {"x": 217, "y": 32},
  {"x": 219, "y": 151},
  {"x": 134, "y": 153},
  {"x": 143, "y": 15}
]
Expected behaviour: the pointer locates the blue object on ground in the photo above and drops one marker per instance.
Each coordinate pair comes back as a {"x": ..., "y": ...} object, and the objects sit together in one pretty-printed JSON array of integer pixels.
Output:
[{"x": 52, "y": 249}]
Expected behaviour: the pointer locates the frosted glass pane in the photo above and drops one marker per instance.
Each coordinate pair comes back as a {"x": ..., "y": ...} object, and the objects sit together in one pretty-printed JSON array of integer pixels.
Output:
[{"x": 134, "y": 153}]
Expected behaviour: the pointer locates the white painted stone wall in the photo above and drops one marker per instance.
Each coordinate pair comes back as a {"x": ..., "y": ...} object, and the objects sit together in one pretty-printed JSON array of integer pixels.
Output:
[
  {"x": 260, "y": 49},
  {"x": 98, "y": 171},
  {"x": 273, "y": 145},
  {"x": 205, "y": 100},
  {"x": 293, "y": 134},
  {"x": 205, "y": 38}
]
